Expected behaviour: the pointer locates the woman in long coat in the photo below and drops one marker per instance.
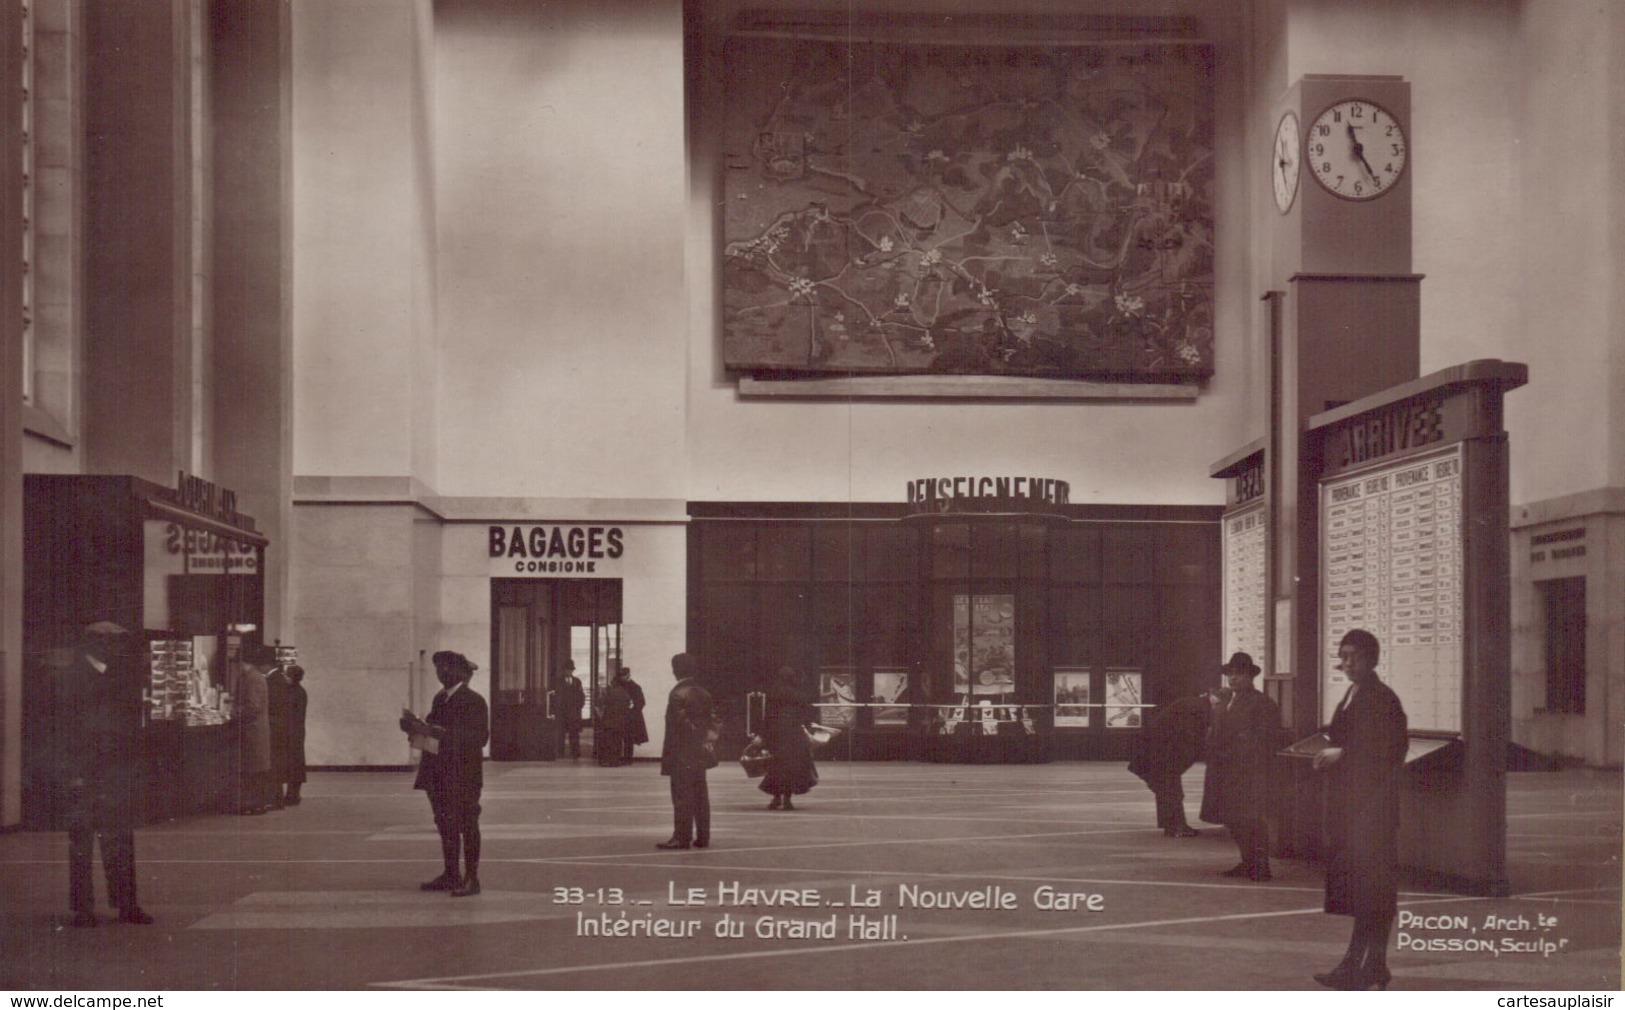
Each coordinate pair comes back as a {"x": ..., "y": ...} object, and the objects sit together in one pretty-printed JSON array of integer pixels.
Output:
[
  {"x": 1362, "y": 769},
  {"x": 790, "y": 769}
]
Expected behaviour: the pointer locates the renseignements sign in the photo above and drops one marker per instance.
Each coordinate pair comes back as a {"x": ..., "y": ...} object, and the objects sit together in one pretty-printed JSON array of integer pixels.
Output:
[{"x": 987, "y": 494}]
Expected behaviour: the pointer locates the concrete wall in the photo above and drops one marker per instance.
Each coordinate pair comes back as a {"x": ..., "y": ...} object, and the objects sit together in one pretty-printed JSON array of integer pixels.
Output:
[
  {"x": 560, "y": 168},
  {"x": 363, "y": 217}
]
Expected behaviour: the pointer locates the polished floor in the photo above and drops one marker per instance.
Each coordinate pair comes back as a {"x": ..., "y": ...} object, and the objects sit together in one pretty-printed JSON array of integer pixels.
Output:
[{"x": 903, "y": 872}]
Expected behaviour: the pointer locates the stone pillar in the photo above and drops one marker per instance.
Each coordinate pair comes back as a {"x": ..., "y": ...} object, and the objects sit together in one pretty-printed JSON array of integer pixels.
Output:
[
  {"x": 139, "y": 202},
  {"x": 250, "y": 275},
  {"x": 11, "y": 420}
]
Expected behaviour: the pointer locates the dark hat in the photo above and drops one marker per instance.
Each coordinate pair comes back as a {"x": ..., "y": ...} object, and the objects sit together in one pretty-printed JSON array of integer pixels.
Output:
[
  {"x": 258, "y": 654},
  {"x": 682, "y": 665},
  {"x": 457, "y": 661},
  {"x": 1241, "y": 663}
]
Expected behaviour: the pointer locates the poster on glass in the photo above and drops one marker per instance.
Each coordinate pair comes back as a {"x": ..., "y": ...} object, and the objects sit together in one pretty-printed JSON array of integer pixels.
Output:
[
  {"x": 984, "y": 645},
  {"x": 1071, "y": 697},
  {"x": 1123, "y": 696},
  {"x": 837, "y": 697},
  {"x": 891, "y": 694}
]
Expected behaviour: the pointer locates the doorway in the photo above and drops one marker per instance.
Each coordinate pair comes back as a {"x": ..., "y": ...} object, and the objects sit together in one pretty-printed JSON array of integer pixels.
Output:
[{"x": 536, "y": 624}]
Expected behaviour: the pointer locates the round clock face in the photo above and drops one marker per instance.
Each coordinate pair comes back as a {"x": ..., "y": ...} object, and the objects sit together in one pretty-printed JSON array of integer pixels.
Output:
[
  {"x": 1284, "y": 162},
  {"x": 1356, "y": 150}
]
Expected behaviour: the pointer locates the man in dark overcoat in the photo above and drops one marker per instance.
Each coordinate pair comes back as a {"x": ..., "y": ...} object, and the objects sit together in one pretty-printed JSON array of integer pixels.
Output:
[
  {"x": 638, "y": 730},
  {"x": 278, "y": 704},
  {"x": 452, "y": 770},
  {"x": 688, "y": 752},
  {"x": 1245, "y": 734},
  {"x": 570, "y": 699},
  {"x": 614, "y": 723},
  {"x": 1170, "y": 743},
  {"x": 251, "y": 719},
  {"x": 298, "y": 702},
  {"x": 98, "y": 734}
]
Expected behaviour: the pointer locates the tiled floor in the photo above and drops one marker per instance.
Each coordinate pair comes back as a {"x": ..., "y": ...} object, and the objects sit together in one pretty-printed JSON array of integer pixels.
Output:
[{"x": 324, "y": 895}]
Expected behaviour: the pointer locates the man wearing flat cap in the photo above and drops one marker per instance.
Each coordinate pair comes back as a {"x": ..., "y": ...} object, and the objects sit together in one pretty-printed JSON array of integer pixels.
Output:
[
  {"x": 1246, "y": 731},
  {"x": 451, "y": 770},
  {"x": 98, "y": 731}
]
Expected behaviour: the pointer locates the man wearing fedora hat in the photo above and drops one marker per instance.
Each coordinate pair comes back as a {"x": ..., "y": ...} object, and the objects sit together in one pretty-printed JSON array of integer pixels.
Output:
[
  {"x": 1246, "y": 731},
  {"x": 98, "y": 726}
]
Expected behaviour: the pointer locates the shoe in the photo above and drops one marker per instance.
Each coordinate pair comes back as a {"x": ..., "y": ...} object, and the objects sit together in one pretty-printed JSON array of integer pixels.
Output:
[
  {"x": 134, "y": 916},
  {"x": 1238, "y": 870},
  {"x": 444, "y": 882},
  {"x": 1371, "y": 977},
  {"x": 468, "y": 888},
  {"x": 788, "y": 805},
  {"x": 1341, "y": 977},
  {"x": 1183, "y": 832},
  {"x": 672, "y": 843},
  {"x": 778, "y": 802},
  {"x": 702, "y": 843},
  {"x": 292, "y": 801},
  {"x": 84, "y": 920}
]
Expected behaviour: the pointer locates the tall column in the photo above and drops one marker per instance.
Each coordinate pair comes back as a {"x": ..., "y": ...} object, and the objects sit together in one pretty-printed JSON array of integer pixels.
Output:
[
  {"x": 11, "y": 419},
  {"x": 250, "y": 274},
  {"x": 139, "y": 151}
]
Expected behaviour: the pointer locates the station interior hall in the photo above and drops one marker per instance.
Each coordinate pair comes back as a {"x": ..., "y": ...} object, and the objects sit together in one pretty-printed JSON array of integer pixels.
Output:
[{"x": 1002, "y": 374}]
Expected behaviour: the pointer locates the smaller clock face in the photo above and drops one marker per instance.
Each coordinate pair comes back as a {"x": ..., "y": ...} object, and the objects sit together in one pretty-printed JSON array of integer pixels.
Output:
[
  {"x": 1356, "y": 150},
  {"x": 1284, "y": 161}
]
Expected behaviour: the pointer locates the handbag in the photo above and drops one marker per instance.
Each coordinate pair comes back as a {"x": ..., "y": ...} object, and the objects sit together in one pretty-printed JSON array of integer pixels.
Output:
[
  {"x": 754, "y": 760},
  {"x": 755, "y": 765}
]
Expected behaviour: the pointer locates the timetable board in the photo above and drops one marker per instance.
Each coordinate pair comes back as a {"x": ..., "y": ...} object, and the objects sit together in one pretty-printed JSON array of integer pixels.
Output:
[
  {"x": 1245, "y": 564},
  {"x": 1391, "y": 550}
]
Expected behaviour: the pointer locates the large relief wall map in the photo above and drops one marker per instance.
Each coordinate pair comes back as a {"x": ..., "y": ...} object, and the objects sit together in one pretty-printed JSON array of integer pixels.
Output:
[{"x": 987, "y": 210}]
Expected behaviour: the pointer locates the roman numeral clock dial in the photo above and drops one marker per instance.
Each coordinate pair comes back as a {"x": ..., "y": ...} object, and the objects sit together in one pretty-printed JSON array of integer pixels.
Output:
[{"x": 1356, "y": 150}]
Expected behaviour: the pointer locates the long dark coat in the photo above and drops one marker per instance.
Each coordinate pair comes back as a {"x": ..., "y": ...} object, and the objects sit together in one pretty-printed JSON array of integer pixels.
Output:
[
  {"x": 570, "y": 699},
  {"x": 790, "y": 768},
  {"x": 690, "y": 719},
  {"x": 298, "y": 702},
  {"x": 98, "y": 740},
  {"x": 1172, "y": 740},
  {"x": 1362, "y": 802},
  {"x": 458, "y": 769},
  {"x": 278, "y": 709},
  {"x": 639, "y": 731},
  {"x": 253, "y": 720},
  {"x": 1246, "y": 732},
  {"x": 617, "y": 708}
]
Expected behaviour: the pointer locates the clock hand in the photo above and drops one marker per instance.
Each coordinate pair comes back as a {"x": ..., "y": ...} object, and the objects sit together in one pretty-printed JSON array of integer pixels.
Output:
[{"x": 1359, "y": 152}]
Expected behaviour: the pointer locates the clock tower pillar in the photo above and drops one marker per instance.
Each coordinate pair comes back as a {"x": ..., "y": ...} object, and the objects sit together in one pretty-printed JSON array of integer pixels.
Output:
[{"x": 1345, "y": 320}]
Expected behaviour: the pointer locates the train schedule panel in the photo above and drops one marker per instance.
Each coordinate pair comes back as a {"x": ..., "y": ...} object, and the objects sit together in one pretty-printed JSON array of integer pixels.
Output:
[{"x": 1391, "y": 556}]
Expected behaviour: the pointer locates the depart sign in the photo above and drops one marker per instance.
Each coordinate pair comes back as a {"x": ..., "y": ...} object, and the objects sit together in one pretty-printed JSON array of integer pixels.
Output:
[{"x": 554, "y": 549}]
